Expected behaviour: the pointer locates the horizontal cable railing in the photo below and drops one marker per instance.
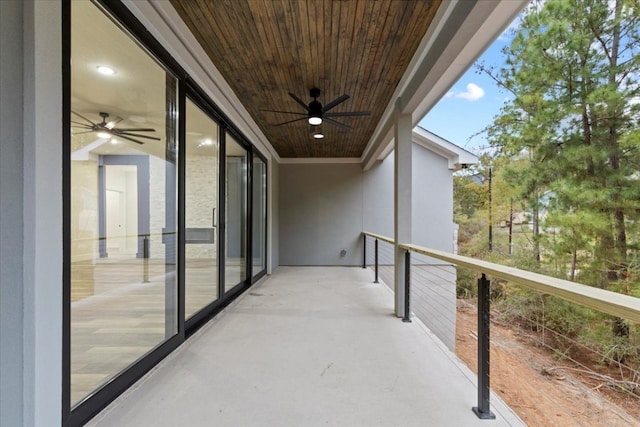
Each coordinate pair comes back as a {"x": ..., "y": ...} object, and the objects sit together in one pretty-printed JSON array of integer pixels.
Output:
[
  {"x": 620, "y": 305},
  {"x": 433, "y": 267},
  {"x": 379, "y": 255}
]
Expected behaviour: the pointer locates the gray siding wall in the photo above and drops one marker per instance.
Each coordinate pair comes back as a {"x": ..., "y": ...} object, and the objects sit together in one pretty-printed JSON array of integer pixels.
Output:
[
  {"x": 432, "y": 209},
  {"x": 30, "y": 213},
  {"x": 320, "y": 214},
  {"x": 324, "y": 207},
  {"x": 11, "y": 212},
  {"x": 274, "y": 215},
  {"x": 378, "y": 198}
]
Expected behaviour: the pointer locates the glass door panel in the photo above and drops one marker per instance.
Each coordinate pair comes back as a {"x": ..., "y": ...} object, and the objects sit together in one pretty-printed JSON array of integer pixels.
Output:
[
  {"x": 236, "y": 213},
  {"x": 259, "y": 226},
  {"x": 123, "y": 201},
  {"x": 201, "y": 207}
]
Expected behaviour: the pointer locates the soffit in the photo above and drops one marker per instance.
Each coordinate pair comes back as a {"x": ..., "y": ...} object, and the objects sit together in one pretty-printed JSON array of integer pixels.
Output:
[{"x": 265, "y": 49}]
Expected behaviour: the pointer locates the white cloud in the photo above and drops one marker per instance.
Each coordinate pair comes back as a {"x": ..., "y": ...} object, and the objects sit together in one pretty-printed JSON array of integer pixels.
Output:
[
  {"x": 473, "y": 93},
  {"x": 448, "y": 94}
]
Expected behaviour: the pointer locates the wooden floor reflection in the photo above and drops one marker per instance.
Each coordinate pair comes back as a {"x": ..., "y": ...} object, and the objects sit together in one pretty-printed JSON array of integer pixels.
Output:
[
  {"x": 120, "y": 313},
  {"x": 122, "y": 309}
]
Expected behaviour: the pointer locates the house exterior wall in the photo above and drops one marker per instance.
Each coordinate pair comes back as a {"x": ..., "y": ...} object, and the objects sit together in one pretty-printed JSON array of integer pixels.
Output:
[
  {"x": 324, "y": 207},
  {"x": 273, "y": 216},
  {"x": 432, "y": 209},
  {"x": 11, "y": 212},
  {"x": 320, "y": 214},
  {"x": 31, "y": 213},
  {"x": 378, "y": 198}
]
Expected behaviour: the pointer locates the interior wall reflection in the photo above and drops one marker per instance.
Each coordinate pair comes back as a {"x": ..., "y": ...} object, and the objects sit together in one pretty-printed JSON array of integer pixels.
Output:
[
  {"x": 201, "y": 210},
  {"x": 236, "y": 213},
  {"x": 123, "y": 201}
]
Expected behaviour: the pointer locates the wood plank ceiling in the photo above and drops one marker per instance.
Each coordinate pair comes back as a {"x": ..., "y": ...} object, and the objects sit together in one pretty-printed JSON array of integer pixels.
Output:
[{"x": 268, "y": 48}]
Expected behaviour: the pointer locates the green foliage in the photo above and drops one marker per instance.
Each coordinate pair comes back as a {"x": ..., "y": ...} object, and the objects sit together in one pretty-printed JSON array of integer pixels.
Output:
[{"x": 567, "y": 155}]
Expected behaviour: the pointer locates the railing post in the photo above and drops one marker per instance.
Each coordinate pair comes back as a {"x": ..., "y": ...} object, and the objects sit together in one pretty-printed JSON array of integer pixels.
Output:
[
  {"x": 145, "y": 256},
  {"x": 407, "y": 287},
  {"x": 376, "y": 260},
  {"x": 483, "y": 410},
  {"x": 364, "y": 250}
]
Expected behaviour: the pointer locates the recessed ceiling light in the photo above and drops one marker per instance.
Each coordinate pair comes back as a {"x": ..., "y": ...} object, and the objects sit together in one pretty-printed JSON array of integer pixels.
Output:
[
  {"x": 105, "y": 71},
  {"x": 207, "y": 142},
  {"x": 104, "y": 135}
]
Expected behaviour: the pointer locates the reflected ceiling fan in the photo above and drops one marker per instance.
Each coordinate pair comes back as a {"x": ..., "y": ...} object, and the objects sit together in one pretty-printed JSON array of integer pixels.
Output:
[
  {"x": 317, "y": 113},
  {"x": 107, "y": 129}
]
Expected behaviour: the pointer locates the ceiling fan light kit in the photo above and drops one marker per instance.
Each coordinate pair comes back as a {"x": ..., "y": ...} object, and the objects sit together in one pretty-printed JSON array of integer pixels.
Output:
[{"x": 317, "y": 134}]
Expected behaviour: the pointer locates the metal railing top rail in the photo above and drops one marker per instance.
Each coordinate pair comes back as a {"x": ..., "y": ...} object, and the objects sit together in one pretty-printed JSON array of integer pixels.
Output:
[
  {"x": 379, "y": 237},
  {"x": 616, "y": 304}
]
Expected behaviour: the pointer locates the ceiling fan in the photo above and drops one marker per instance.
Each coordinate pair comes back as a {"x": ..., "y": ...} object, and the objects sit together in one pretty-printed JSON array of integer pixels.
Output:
[
  {"x": 106, "y": 129},
  {"x": 317, "y": 113}
]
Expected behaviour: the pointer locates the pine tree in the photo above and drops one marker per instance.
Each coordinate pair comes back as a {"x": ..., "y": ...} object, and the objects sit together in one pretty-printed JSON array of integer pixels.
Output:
[{"x": 572, "y": 70}]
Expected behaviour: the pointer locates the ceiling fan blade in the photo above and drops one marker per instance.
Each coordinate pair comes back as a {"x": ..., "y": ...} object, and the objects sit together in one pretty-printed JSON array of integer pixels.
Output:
[
  {"x": 335, "y": 123},
  {"x": 135, "y": 129},
  {"x": 135, "y": 135},
  {"x": 111, "y": 124},
  {"x": 335, "y": 102},
  {"x": 287, "y": 112},
  {"x": 130, "y": 139},
  {"x": 84, "y": 118},
  {"x": 81, "y": 125},
  {"x": 291, "y": 121},
  {"x": 349, "y": 113},
  {"x": 299, "y": 101}
]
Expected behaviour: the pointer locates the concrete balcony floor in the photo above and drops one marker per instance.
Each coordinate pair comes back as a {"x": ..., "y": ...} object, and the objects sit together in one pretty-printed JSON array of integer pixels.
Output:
[{"x": 308, "y": 346}]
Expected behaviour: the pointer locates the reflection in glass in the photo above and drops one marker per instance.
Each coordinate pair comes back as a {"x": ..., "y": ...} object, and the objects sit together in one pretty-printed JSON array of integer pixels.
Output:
[
  {"x": 236, "y": 213},
  {"x": 259, "y": 207},
  {"x": 201, "y": 202},
  {"x": 123, "y": 202}
]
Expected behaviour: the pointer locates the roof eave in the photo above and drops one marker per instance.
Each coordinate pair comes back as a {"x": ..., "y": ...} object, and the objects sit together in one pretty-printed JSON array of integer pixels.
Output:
[{"x": 440, "y": 60}]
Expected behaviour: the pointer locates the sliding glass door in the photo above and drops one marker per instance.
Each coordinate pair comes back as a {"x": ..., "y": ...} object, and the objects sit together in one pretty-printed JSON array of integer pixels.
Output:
[
  {"x": 123, "y": 202},
  {"x": 201, "y": 210},
  {"x": 165, "y": 207},
  {"x": 236, "y": 213},
  {"x": 259, "y": 217}
]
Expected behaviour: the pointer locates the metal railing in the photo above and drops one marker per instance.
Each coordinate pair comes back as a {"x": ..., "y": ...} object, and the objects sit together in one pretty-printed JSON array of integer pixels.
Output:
[{"x": 619, "y": 305}]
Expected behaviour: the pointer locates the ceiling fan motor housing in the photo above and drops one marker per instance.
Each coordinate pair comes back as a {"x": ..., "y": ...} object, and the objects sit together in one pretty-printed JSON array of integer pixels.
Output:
[{"x": 315, "y": 109}]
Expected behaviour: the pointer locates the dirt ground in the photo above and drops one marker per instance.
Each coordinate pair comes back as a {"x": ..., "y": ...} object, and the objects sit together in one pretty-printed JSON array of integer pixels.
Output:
[{"x": 535, "y": 385}]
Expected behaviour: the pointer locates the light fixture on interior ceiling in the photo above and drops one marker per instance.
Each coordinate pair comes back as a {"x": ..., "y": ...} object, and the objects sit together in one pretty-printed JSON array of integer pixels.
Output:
[
  {"x": 105, "y": 70},
  {"x": 207, "y": 142},
  {"x": 104, "y": 135}
]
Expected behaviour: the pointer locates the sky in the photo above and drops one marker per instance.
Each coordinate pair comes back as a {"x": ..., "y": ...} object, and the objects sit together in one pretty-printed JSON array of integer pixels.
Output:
[{"x": 471, "y": 104}]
